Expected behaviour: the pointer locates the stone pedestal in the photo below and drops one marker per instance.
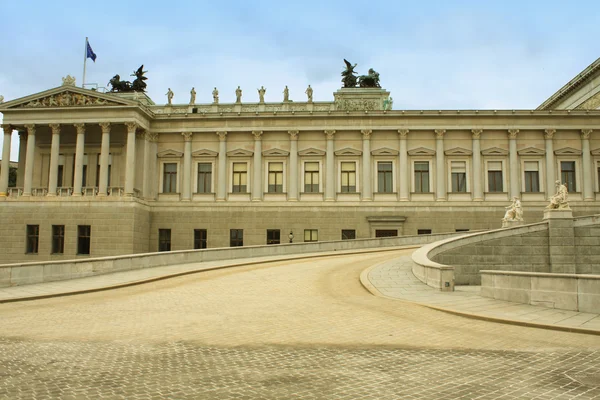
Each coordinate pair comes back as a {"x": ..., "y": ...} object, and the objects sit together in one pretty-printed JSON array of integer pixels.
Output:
[
  {"x": 561, "y": 241},
  {"x": 510, "y": 224},
  {"x": 360, "y": 99}
]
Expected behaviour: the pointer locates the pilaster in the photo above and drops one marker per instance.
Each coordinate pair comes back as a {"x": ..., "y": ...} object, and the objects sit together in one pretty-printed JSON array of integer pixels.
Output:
[
  {"x": 587, "y": 167},
  {"x": 477, "y": 166},
  {"x": 222, "y": 167},
  {"x": 330, "y": 167},
  {"x": 367, "y": 185},
  {"x": 440, "y": 167},
  {"x": 293, "y": 186},
  {"x": 257, "y": 188},
  {"x": 29, "y": 159},
  {"x": 513, "y": 163},
  {"x": 186, "y": 193},
  {"x": 550, "y": 175},
  {"x": 403, "y": 167}
]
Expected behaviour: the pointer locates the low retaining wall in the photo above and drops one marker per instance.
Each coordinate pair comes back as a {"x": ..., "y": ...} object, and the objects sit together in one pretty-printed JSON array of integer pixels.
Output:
[
  {"x": 564, "y": 291},
  {"x": 48, "y": 271}
]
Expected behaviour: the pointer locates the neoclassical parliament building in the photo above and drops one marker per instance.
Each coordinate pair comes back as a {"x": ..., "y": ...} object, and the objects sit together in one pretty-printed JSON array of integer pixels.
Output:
[{"x": 104, "y": 174}]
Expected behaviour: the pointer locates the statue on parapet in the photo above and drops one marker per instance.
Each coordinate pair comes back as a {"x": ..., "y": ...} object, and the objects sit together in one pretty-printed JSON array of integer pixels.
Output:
[
  {"x": 514, "y": 212},
  {"x": 309, "y": 93},
  {"x": 286, "y": 94},
  {"x": 192, "y": 96},
  {"x": 215, "y": 94},
  {"x": 138, "y": 84},
  {"x": 388, "y": 104},
  {"x": 238, "y": 95},
  {"x": 348, "y": 75},
  {"x": 261, "y": 94},
  {"x": 559, "y": 200},
  {"x": 1, "y": 99},
  {"x": 371, "y": 80},
  {"x": 169, "y": 95}
]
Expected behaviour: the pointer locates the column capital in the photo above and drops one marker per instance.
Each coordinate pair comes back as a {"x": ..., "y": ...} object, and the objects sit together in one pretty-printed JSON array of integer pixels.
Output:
[
  {"x": 439, "y": 133},
  {"x": 187, "y": 136},
  {"x": 512, "y": 133},
  {"x": 80, "y": 128},
  {"x": 222, "y": 135},
  {"x": 55, "y": 128},
  {"x": 140, "y": 135},
  {"x": 366, "y": 133},
  {"x": 105, "y": 126},
  {"x": 549, "y": 133},
  {"x": 7, "y": 129},
  {"x": 152, "y": 137},
  {"x": 585, "y": 133},
  {"x": 330, "y": 134},
  {"x": 403, "y": 133},
  {"x": 22, "y": 135},
  {"x": 293, "y": 135},
  {"x": 30, "y": 129},
  {"x": 131, "y": 126},
  {"x": 257, "y": 135},
  {"x": 476, "y": 133}
]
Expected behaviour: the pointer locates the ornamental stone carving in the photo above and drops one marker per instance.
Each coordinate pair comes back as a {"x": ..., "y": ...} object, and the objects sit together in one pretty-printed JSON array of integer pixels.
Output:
[
  {"x": 152, "y": 137},
  {"x": 512, "y": 133},
  {"x": 80, "y": 128},
  {"x": 222, "y": 135},
  {"x": 366, "y": 133},
  {"x": 585, "y": 133},
  {"x": 68, "y": 81},
  {"x": 30, "y": 129},
  {"x": 7, "y": 129},
  {"x": 476, "y": 133},
  {"x": 592, "y": 103},
  {"x": 55, "y": 128},
  {"x": 330, "y": 134},
  {"x": 131, "y": 126},
  {"x": 514, "y": 212},
  {"x": 105, "y": 126},
  {"x": 68, "y": 99},
  {"x": 559, "y": 201},
  {"x": 439, "y": 133},
  {"x": 257, "y": 135},
  {"x": 293, "y": 135},
  {"x": 187, "y": 136},
  {"x": 403, "y": 133},
  {"x": 356, "y": 105},
  {"x": 1, "y": 99},
  {"x": 549, "y": 134}
]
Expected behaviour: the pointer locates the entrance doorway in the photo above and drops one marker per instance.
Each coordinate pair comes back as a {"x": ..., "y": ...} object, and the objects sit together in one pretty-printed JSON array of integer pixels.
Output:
[{"x": 386, "y": 233}]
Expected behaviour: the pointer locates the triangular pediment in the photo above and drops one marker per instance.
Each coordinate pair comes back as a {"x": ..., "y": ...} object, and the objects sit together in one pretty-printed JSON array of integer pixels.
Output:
[
  {"x": 494, "y": 151},
  {"x": 421, "y": 151},
  {"x": 596, "y": 152},
  {"x": 276, "y": 152},
  {"x": 384, "y": 151},
  {"x": 169, "y": 153},
  {"x": 531, "y": 151},
  {"x": 458, "y": 151},
  {"x": 567, "y": 151},
  {"x": 67, "y": 96},
  {"x": 348, "y": 151},
  {"x": 240, "y": 153},
  {"x": 204, "y": 153},
  {"x": 311, "y": 151}
]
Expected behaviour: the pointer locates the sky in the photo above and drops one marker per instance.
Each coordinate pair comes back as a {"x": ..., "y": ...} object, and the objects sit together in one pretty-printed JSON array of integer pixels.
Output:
[{"x": 453, "y": 54}]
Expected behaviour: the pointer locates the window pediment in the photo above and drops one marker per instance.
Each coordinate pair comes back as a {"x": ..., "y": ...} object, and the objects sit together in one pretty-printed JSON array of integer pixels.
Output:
[
  {"x": 596, "y": 152},
  {"x": 348, "y": 151},
  {"x": 204, "y": 153},
  {"x": 169, "y": 153},
  {"x": 531, "y": 151},
  {"x": 494, "y": 151},
  {"x": 276, "y": 152},
  {"x": 458, "y": 151},
  {"x": 311, "y": 151},
  {"x": 421, "y": 151},
  {"x": 567, "y": 151},
  {"x": 384, "y": 151},
  {"x": 240, "y": 153}
]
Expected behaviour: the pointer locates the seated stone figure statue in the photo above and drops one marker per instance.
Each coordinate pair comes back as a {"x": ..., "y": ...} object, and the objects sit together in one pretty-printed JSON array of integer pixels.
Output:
[
  {"x": 514, "y": 212},
  {"x": 559, "y": 200}
]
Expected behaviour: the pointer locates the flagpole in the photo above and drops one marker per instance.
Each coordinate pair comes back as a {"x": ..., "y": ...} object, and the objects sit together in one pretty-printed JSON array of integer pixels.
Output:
[{"x": 84, "y": 60}]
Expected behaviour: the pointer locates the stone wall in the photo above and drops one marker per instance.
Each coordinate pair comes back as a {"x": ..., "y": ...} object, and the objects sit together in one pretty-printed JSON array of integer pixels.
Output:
[{"x": 587, "y": 242}]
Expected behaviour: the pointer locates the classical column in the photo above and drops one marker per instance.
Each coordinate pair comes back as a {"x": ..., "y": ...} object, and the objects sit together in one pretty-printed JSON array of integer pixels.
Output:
[
  {"x": 186, "y": 193},
  {"x": 130, "y": 162},
  {"x": 22, "y": 158},
  {"x": 5, "y": 160},
  {"x": 54, "y": 154},
  {"x": 257, "y": 188},
  {"x": 148, "y": 174},
  {"x": 513, "y": 162},
  {"x": 104, "y": 155},
  {"x": 29, "y": 160},
  {"x": 550, "y": 178},
  {"x": 222, "y": 171},
  {"x": 79, "y": 149},
  {"x": 293, "y": 186},
  {"x": 440, "y": 177},
  {"x": 330, "y": 167},
  {"x": 477, "y": 167},
  {"x": 586, "y": 167},
  {"x": 367, "y": 185},
  {"x": 403, "y": 166}
]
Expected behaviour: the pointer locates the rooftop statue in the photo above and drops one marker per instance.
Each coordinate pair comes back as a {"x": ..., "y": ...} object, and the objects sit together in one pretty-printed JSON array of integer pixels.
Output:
[
  {"x": 238, "y": 95},
  {"x": 193, "y": 96},
  {"x": 371, "y": 80},
  {"x": 261, "y": 94},
  {"x": 169, "y": 95},
  {"x": 309, "y": 94},
  {"x": 349, "y": 76},
  {"x": 138, "y": 84},
  {"x": 215, "y": 94},
  {"x": 286, "y": 94}
]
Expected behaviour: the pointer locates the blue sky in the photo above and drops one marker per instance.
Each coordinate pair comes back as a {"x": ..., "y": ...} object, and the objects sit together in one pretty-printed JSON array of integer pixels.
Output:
[{"x": 430, "y": 54}]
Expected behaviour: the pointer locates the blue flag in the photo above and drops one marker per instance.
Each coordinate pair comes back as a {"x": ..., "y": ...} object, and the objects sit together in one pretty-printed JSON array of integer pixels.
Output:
[{"x": 90, "y": 52}]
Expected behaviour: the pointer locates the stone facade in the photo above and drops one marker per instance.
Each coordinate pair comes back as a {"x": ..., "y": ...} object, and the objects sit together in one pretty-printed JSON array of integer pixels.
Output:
[{"x": 323, "y": 170}]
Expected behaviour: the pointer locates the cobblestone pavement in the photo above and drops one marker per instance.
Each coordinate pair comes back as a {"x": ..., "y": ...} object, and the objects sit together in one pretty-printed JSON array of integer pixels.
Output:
[{"x": 298, "y": 329}]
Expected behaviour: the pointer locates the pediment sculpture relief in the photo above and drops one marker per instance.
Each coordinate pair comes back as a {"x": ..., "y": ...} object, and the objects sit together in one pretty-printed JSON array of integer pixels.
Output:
[{"x": 68, "y": 99}]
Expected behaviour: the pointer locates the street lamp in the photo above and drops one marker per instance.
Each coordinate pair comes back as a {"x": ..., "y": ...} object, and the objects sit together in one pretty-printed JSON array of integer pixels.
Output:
[{"x": 291, "y": 237}]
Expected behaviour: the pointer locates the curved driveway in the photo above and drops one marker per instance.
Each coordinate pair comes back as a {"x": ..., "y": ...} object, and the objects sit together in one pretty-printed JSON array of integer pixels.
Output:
[{"x": 301, "y": 329}]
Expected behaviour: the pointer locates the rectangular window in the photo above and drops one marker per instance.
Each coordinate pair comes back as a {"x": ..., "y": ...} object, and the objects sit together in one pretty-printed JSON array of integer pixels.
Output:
[
  {"x": 170, "y": 178},
  {"x": 273, "y": 236},
  {"x": 348, "y": 177},
  {"x": 240, "y": 177},
  {"x": 459, "y": 176},
  {"x": 84, "y": 235},
  {"x": 379, "y": 233},
  {"x": 311, "y": 177},
  {"x": 348, "y": 234},
  {"x": 200, "y": 239},
  {"x": 58, "y": 239},
  {"x": 311, "y": 235},
  {"x": 422, "y": 176},
  {"x": 462, "y": 230},
  {"x": 495, "y": 176},
  {"x": 204, "y": 177},
  {"x": 384, "y": 177},
  {"x": 236, "y": 237},
  {"x": 33, "y": 239},
  {"x": 275, "y": 177},
  {"x": 423, "y": 231},
  {"x": 532, "y": 176},
  {"x": 567, "y": 175},
  {"x": 164, "y": 240}
]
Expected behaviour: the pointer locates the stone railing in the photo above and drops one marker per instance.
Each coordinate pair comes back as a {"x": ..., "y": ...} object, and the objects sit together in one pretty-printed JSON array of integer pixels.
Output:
[
  {"x": 36, "y": 272},
  {"x": 88, "y": 191}
]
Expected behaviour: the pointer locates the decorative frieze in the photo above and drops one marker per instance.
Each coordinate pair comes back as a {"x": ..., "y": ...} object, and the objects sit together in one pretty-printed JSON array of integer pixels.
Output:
[{"x": 68, "y": 99}]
